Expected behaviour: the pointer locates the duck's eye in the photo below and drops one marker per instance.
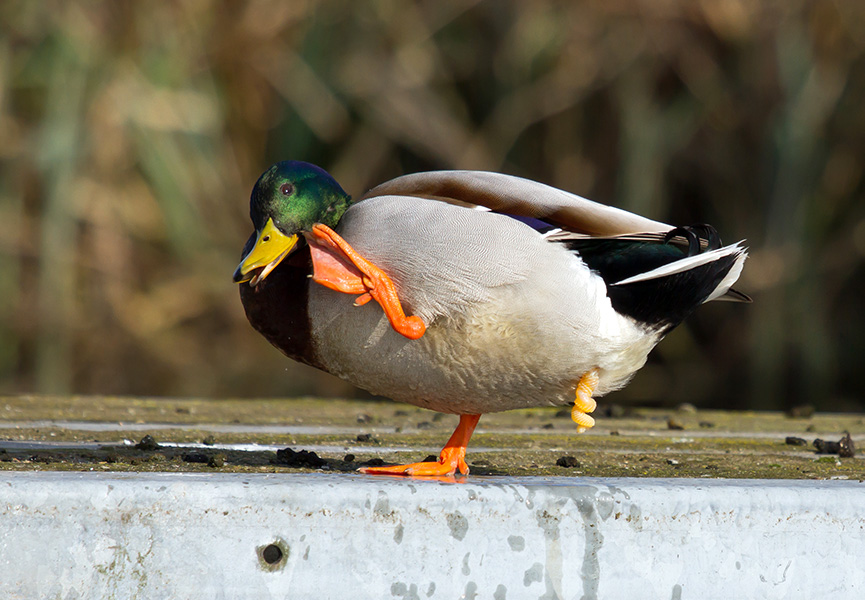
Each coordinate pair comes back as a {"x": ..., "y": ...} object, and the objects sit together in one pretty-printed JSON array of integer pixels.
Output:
[{"x": 286, "y": 189}]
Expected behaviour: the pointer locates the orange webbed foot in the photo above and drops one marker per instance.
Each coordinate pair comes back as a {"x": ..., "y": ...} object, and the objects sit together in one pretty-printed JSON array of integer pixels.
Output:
[
  {"x": 451, "y": 459},
  {"x": 338, "y": 266}
]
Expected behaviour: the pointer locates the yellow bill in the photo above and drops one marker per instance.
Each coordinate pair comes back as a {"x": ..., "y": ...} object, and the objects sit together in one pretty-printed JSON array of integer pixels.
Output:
[{"x": 271, "y": 246}]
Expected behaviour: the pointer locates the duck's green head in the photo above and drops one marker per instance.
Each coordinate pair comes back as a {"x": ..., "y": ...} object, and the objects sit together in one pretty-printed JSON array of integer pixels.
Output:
[{"x": 287, "y": 200}]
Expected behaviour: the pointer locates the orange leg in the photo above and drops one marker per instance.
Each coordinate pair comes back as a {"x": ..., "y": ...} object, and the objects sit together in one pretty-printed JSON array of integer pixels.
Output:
[
  {"x": 338, "y": 266},
  {"x": 584, "y": 403},
  {"x": 452, "y": 458}
]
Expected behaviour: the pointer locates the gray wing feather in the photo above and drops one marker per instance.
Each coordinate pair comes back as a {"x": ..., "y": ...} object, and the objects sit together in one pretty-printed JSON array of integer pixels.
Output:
[
  {"x": 518, "y": 196},
  {"x": 445, "y": 258}
]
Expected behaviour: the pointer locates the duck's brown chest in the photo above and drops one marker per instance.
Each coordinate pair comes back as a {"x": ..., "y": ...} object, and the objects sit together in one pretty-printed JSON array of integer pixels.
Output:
[{"x": 278, "y": 308}]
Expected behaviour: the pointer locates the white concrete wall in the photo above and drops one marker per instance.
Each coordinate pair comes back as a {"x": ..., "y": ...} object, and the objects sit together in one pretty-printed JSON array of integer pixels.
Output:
[{"x": 153, "y": 536}]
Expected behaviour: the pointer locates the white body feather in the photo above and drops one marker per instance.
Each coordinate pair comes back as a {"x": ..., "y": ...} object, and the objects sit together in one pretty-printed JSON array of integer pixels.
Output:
[{"x": 513, "y": 320}]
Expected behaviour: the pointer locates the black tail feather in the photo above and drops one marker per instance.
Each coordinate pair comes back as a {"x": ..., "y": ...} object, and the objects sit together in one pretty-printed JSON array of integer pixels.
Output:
[{"x": 661, "y": 302}]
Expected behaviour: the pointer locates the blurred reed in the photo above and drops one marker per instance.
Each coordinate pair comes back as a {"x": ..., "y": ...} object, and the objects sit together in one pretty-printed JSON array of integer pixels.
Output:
[{"x": 132, "y": 132}]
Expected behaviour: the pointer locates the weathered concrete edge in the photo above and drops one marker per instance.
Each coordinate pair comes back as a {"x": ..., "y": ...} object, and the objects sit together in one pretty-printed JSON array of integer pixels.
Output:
[{"x": 162, "y": 535}]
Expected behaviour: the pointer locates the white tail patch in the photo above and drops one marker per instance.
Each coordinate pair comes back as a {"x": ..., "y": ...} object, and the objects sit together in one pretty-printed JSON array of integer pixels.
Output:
[
  {"x": 692, "y": 262},
  {"x": 731, "y": 276}
]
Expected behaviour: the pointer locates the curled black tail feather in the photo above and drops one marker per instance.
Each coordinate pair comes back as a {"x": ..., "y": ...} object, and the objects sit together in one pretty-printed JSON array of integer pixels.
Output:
[{"x": 695, "y": 236}]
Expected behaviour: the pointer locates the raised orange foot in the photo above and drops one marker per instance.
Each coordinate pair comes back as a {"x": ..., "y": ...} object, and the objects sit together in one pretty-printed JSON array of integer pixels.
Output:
[
  {"x": 451, "y": 459},
  {"x": 584, "y": 403},
  {"x": 338, "y": 266}
]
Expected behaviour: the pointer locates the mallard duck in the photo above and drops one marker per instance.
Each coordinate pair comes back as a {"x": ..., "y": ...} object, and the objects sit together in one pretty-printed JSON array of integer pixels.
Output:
[{"x": 492, "y": 292}]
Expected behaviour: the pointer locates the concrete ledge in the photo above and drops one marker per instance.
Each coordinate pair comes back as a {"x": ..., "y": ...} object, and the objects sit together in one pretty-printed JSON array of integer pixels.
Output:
[{"x": 109, "y": 535}]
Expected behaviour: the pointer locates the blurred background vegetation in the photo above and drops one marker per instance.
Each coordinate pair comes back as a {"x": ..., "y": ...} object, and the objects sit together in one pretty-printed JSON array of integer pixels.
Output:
[{"x": 132, "y": 133}]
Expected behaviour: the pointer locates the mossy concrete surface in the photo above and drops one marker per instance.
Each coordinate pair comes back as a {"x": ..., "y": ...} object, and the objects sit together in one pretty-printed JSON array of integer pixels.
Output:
[{"x": 101, "y": 433}]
